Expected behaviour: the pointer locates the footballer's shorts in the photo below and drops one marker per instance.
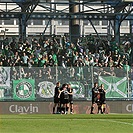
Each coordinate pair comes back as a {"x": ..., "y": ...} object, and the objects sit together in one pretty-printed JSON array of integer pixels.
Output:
[
  {"x": 94, "y": 100},
  {"x": 103, "y": 102},
  {"x": 56, "y": 100},
  {"x": 71, "y": 101},
  {"x": 64, "y": 101}
]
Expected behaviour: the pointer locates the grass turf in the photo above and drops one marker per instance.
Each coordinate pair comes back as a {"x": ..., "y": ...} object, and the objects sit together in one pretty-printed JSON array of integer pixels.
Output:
[{"x": 83, "y": 123}]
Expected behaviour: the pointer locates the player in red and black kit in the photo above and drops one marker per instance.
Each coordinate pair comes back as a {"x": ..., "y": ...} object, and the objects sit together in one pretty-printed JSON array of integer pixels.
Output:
[
  {"x": 95, "y": 93},
  {"x": 56, "y": 98},
  {"x": 70, "y": 90}
]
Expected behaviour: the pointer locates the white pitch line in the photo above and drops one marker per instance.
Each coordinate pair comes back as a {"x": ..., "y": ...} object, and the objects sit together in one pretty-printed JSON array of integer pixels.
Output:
[{"x": 126, "y": 123}]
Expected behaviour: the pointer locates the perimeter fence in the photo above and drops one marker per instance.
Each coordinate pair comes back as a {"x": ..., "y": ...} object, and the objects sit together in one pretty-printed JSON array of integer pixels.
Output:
[{"x": 37, "y": 84}]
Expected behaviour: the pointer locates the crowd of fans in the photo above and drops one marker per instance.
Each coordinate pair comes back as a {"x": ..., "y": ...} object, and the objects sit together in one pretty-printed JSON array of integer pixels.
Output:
[{"x": 85, "y": 52}]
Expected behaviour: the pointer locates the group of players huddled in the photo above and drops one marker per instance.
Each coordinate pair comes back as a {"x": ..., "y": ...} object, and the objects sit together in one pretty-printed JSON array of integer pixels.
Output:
[
  {"x": 63, "y": 99},
  {"x": 98, "y": 98}
]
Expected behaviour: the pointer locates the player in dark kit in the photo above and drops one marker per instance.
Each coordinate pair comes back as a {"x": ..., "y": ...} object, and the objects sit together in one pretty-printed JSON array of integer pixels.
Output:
[
  {"x": 64, "y": 99},
  {"x": 95, "y": 92},
  {"x": 102, "y": 98},
  {"x": 70, "y": 90},
  {"x": 56, "y": 98}
]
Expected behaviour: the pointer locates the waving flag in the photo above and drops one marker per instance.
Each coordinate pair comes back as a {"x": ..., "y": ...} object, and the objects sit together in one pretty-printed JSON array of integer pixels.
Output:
[{"x": 115, "y": 87}]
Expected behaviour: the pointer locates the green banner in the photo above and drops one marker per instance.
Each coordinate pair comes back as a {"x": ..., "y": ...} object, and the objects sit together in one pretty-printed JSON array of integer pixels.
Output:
[
  {"x": 115, "y": 87},
  {"x": 24, "y": 89}
]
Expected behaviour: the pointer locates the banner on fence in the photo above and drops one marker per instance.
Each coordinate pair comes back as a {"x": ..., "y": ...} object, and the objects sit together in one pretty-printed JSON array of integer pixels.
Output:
[
  {"x": 115, "y": 87},
  {"x": 132, "y": 88},
  {"x": 4, "y": 81},
  {"x": 4, "y": 76},
  {"x": 46, "y": 89},
  {"x": 78, "y": 89},
  {"x": 24, "y": 89}
]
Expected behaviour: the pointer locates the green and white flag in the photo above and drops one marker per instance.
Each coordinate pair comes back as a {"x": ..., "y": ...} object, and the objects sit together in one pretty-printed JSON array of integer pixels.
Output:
[
  {"x": 24, "y": 89},
  {"x": 115, "y": 87}
]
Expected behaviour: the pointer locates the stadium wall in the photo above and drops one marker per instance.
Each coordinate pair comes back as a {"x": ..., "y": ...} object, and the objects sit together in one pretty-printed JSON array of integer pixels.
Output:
[{"x": 82, "y": 107}]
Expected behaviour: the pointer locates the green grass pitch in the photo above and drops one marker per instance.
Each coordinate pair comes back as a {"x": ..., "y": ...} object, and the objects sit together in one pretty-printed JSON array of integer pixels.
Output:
[{"x": 76, "y": 123}]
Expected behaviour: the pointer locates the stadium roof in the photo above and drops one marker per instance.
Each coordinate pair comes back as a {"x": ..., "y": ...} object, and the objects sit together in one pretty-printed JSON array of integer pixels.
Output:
[{"x": 111, "y": 10}]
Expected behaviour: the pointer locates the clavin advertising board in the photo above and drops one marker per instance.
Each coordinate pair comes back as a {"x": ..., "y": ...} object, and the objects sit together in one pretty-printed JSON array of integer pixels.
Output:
[{"x": 125, "y": 107}]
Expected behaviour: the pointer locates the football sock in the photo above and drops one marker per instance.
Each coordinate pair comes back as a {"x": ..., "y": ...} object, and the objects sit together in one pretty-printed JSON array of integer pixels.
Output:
[
  {"x": 53, "y": 110},
  {"x": 92, "y": 109}
]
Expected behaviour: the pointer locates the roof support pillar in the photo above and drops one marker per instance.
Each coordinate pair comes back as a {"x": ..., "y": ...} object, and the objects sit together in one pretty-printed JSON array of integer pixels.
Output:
[
  {"x": 74, "y": 24},
  {"x": 22, "y": 27},
  {"x": 117, "y": 30}
]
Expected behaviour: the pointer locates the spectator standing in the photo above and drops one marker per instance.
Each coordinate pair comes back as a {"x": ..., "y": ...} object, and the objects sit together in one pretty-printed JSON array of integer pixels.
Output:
[
  {"x": 54, "y": 57},
  {"x": 42, "y": 61},
  {"x": 24, "y": 59},
  {"x": 86, "y": 61},
  {"x": 126, "y": 67},
  {"x": 50, "y": 61},
  {"x": 17, "y": 59}
]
